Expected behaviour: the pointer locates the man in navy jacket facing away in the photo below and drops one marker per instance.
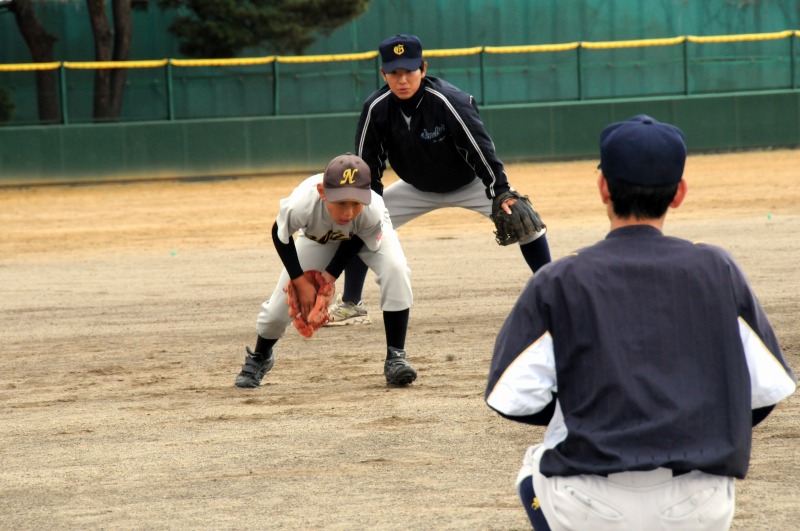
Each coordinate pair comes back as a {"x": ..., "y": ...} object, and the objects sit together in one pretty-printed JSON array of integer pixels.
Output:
[{"x": 648, "y": 358}]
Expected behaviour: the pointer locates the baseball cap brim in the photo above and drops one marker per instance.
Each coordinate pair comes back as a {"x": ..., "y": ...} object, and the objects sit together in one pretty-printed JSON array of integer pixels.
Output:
[
  {"x": 405, "y": 63},
  {"x": 347, "y": 178},
  {"x": 363, "y": 196}
]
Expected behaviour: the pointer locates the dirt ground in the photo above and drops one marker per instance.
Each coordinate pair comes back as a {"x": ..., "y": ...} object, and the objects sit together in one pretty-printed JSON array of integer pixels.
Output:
[{"x": 126, "y": 308}]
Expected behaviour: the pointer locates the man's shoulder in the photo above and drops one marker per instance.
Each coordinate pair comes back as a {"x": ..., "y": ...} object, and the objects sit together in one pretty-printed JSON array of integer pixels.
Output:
[
  {"x": 446, "y": 89},
  {"x": 311, "y": 181},
  {"x": 671, "y": 247},
  {"x": 564, "y": 266},
  {"x": 377, "y": 201},
  {"x": 306, "y": 191},
  {"x": 702, "y": 249},
  {"x": 380, "y": 95},
  {"x": 442, "y": 85},
  {"x": 447, "y": 95},
  {"x": 577, "y": 261},
  {"x": 373, "y": 214},
  {"x": 712, "y": 251}
]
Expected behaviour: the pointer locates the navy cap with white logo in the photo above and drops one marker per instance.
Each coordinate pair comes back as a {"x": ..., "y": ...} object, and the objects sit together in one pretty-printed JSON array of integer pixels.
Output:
[{"x": 401, "y": 51}]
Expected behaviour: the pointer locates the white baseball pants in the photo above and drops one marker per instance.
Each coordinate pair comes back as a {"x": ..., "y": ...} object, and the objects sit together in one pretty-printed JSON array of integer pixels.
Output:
[
  {"x": 406, "y": 203},
  {"x": 630, "y": 501},
  {"x": 388, "y": 263}
]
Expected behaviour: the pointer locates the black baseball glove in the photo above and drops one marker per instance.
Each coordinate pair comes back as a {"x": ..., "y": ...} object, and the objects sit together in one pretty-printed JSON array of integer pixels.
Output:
[{"x": 522, "y": 223}]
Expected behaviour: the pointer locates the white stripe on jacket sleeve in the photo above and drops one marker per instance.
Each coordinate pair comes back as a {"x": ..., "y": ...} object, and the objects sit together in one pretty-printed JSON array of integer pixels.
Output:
[
  {"x": 769, "y": 381},
  {"x": 528, "y": 383}
]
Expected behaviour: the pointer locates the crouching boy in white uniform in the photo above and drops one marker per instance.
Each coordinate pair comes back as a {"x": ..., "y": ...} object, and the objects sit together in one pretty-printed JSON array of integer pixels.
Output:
[{"x": 336, "y": 216}]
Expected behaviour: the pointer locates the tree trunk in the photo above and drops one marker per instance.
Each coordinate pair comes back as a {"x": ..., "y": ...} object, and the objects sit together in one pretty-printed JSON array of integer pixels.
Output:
[
  {"x": 110, "y": 45},
  {"x": 122, "y": 51},
  {"x": 41, "y": 45},
  {"x": 103, "y": 43}
]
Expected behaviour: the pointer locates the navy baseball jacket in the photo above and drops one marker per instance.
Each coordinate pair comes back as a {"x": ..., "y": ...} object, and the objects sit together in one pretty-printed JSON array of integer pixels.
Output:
[
  {"x": 641, "y": 351},
  {"x": 444, "y": 146}
]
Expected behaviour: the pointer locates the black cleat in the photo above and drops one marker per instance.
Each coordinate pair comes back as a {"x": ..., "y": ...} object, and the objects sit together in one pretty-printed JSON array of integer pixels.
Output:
[
  {"x": 396, "y": 368},
  {"x": 256, "y": 365}
]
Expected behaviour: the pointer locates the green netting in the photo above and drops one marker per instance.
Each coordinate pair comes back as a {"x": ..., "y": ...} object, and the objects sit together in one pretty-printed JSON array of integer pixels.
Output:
[
  {"x": 219, "y": 92},
  {"x": 740, "y": 66},
  {"x": 334, "y": 87},
  {"x": 494, "y": 79},
  {"x": 145, "y": 96},
  {"x": 531, "y": 77},
  {"x": 632, "y": 72}
]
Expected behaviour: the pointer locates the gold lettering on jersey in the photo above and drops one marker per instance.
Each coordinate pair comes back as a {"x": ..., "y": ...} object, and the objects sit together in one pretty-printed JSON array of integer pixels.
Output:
[
  {"x": 330, "y": 236},
  {"x": 349, "y": 176},
  {"x": 399, "y": 49}
]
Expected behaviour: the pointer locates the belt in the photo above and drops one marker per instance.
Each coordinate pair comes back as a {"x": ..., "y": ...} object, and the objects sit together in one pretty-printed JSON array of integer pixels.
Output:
[{"x": 675, "y": 473}]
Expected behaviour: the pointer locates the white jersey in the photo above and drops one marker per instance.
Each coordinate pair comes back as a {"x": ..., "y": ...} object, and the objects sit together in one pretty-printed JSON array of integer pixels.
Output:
[{"x": 305, "y": 211}]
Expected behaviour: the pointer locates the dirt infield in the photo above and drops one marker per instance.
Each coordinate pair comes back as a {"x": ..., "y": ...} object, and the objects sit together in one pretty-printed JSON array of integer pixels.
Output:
[{"x": 126, "y": 308}]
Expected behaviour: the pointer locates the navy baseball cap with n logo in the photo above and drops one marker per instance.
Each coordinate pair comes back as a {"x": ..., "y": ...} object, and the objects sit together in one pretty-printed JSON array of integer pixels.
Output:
[
  {"x": 347, "y": 178},
  {"x": 401, "y": 51}
]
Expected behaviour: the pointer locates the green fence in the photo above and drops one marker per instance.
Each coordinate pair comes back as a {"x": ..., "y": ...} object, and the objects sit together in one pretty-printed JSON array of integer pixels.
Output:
[
  {"x": 181, "y": 89},
  {"x": 244, "y": 146}
]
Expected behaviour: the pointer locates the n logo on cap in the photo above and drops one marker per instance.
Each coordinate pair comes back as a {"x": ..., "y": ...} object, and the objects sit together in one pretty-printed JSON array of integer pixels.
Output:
[
  {"x": 399, "y": 49},
  {"x": 349, "y": 176}
]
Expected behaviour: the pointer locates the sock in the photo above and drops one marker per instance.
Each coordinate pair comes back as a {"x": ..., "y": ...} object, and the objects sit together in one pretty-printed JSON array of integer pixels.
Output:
[
  {"x": 354, "y": 276},
  {"x": 263, "y": 346},
  {"x": 531, "y": 504},
  {"x": 396, "y": 325},
  {"x": 536, "y": 253}
]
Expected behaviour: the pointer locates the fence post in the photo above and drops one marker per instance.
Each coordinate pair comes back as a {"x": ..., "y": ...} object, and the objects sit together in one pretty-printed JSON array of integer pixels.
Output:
[
  {"x": 686, "y": 66},
  {"x": 793, "y": 82},
  {"x": 62, "y": 74},
  {"x": 483, "y": 77},
  {"x": 170, "y": 94},
  {"x": 275, "y": 87},
  {"x": 578, "y": 56},
  {"x": 378, "y": 77}
]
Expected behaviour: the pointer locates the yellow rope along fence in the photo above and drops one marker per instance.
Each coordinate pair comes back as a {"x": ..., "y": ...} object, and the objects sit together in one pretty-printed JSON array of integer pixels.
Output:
[
  {"x": 168, "y": 65},
  {"x": 246, "y": 61},
  {"x": 95, "y": 65},
  {"x": 641, "y": 43},
  {"x": 743, "y": 37},
  {"x": 532, "y": 48},
  {"x": 327, "y": 58},
  {"x": 455, "y": 52},
  {"x": 25, "y": 67}
]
